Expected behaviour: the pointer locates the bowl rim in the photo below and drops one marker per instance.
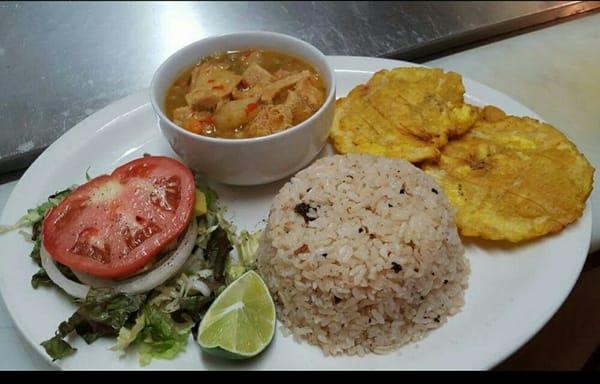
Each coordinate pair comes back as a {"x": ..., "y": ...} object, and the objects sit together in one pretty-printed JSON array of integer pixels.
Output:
[{"x": 265, "y": 34}]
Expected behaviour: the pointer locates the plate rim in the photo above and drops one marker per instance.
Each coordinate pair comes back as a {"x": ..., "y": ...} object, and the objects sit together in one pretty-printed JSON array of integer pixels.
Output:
[{"x": 138, "y": 100}]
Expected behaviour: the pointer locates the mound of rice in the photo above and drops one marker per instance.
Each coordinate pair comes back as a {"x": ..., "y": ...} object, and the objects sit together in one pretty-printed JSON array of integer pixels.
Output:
[{"x": 361, "y": 254}]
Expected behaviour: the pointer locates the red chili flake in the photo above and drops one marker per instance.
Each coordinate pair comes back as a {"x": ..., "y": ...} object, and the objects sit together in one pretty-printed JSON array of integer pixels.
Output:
[
  {"x": 251, "y": 107},
  {"x": 218, "y": 87},
  {"x": 302, "y": 249}
]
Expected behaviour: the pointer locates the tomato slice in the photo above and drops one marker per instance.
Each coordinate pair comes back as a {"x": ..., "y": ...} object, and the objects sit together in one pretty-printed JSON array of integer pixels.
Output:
[{"x": 113, "y": 225}]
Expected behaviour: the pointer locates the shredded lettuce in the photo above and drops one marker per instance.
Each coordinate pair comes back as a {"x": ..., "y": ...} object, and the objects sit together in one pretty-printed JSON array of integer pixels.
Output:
[
  {"x": 33, "y": 218},
  {"x": 161, "y": 337},
  {"x": 196, "y": 306},
  {"x": 156, "y": 335},
  {"x": 57, "y": 348},
  {"x": 128, "y": 335},
  {"x": 109, "y": 307},
  {"x": 246, "y": 249},
  {"x": 103, "y": 313},
  {"x": 40, "y": 278},
  {"x": 26, "y": 220},
  {"x": 182, "y": 295},
  {"x": 233, "y": 271},
  {"x": 214, "y": 217},
  {"x": 217, "y": 250},
  {"x": 35, "y": 215}
]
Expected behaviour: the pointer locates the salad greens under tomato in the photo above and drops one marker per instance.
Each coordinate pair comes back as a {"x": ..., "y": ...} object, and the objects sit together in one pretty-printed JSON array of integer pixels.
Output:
[{"x": 160, "y": 321}]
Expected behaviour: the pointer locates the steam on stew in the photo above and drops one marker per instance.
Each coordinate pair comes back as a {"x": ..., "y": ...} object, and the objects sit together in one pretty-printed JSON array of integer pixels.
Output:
[{"x": 245, "y": 94}]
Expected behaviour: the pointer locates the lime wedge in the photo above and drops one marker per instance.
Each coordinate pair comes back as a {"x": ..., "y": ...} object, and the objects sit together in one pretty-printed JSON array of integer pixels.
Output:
[{"x": 240, "y": 323}]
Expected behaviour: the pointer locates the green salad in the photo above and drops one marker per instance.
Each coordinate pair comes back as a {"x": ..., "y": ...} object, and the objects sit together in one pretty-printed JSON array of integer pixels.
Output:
[{"x": 156, "y": 323}]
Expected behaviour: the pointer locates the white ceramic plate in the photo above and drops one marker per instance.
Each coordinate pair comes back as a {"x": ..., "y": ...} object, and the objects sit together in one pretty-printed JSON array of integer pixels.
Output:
[{"x": 513, "y": 291}]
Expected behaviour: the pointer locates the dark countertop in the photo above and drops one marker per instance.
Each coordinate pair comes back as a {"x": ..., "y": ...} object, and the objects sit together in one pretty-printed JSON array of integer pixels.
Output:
[{"x": 63, "y": 61}]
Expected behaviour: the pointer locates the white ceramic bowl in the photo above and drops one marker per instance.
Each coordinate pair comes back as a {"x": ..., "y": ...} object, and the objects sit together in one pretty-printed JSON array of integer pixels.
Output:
[{"x": 246, "y": 161}]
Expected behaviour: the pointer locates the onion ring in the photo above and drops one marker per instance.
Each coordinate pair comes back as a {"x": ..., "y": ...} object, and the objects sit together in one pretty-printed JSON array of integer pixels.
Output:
[{"x": 71, "y": 287}]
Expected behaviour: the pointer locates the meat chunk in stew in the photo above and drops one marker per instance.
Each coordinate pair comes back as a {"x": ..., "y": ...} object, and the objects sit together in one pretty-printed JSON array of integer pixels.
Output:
[
  {"x": 210, "y": 85},
  {"x": 270, "y": 119}
]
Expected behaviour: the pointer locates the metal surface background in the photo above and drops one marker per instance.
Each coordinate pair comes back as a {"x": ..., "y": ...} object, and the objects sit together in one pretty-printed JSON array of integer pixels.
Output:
[{"x": 62, "y": 61}]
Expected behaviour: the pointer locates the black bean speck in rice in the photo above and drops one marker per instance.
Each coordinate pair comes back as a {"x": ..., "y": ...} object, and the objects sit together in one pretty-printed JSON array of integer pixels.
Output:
[
  {"x": 445, "y": 281},
  {"x": 434, "y": 190},
  {"x": 324, "y": 254},
  {"x": 372, "y": 236},
  {"x": 336, "y": 299},
  {"x": 308, "y": 190},
  {"x": 350, "y": 176},
  {"x": 416, "y": 269},
  {"x": 402, "y": 191},
  {"x": 390, "y": 205},
  {"x": 360, "y": 230},
  {"x": 437, "y": 319},
  {"x": 396, "y": 267},
  {"x": 302, "y": 209},
  {"x": 422, "y": 298}
]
